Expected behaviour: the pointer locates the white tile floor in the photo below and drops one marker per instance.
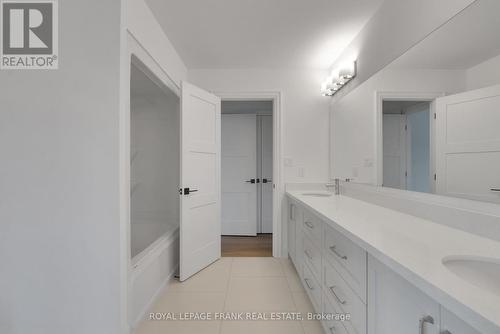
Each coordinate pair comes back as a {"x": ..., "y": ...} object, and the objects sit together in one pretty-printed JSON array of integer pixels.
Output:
[{"x": 235, "y": 285}]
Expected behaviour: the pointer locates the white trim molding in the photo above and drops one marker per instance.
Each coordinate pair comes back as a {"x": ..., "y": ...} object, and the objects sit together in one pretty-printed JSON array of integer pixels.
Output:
[{"x": 278, "y": 186}]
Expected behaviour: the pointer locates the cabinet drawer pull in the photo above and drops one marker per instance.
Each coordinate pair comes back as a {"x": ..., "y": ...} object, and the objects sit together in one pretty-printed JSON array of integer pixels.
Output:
[
  {"x": 334, "y": 251},
  {"x": 307, "y": 283},
  {"x": 308, "y": 255},
  {"x": 309, "y": 224},
  {"x": 425, "y": 320},
  {"x": 341, "y": 301}
]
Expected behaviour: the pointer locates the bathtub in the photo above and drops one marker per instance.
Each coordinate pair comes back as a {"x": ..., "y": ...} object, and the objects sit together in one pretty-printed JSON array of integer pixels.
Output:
[{"x": 150, "y": 271}]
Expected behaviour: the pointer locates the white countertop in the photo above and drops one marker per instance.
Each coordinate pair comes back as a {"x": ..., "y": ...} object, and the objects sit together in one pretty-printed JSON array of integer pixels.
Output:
[{"x": 414, "y": 248}]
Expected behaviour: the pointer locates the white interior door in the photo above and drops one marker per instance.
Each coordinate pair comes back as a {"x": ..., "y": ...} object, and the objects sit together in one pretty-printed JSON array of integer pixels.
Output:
[
  {"x": 266, "y": 173},
  {"x": 200, "y": 224},
  {"x": 239, "y": 168},
  {"x": 394, "y": 148},
  {"x": 468, "y": 145}
]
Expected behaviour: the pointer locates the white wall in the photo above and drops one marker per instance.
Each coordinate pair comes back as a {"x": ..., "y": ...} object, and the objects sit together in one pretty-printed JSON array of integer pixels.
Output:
[
  {"x": 304, "y": 112},
  {"x": 59, "y": 188},
  {"x": 484, "y": 74},
  {"x": 62, "y": 244},
  {"x": 395, "y": 28},
  {"x": 353, "y": 117}
]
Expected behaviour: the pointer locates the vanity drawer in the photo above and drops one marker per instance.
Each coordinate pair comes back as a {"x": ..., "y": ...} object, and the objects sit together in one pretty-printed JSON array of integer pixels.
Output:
[
  {"x": 333, "y": 326},
  {"x": 342, "y": 296},
  {"x": 312, "y": 287},
  {"x": 311, "y": 254},
  {"x": 313, "y": 226},
  {"x": 352, "y": 260}
]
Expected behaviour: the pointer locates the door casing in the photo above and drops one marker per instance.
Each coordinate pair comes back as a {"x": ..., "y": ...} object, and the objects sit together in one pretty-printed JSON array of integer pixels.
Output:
[
  {"x": 382, "y": 96},
  {"x": 279, "y": 238}
]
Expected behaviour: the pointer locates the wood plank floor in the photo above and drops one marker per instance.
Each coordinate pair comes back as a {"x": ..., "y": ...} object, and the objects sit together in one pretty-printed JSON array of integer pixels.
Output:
[{"x": 259, "y": 246}]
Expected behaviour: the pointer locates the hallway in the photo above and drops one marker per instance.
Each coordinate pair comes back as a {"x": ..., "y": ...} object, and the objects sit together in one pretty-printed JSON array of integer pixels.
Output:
[
  {"x": 235, "y": 285},
  {"x": 258, "y": 246}
]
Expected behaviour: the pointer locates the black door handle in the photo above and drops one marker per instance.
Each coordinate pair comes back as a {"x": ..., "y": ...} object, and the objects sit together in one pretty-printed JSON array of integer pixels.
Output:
[
  {"x": 266, "y": 181},
  {"x": 187, "y": 191},
  {"x": 258, "y": 180},
  {"x": 250, "y": 181}
]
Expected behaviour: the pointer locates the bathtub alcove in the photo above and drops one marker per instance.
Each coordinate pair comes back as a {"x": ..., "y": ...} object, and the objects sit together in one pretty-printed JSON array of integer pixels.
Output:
[{"x": 154, "y": 187}]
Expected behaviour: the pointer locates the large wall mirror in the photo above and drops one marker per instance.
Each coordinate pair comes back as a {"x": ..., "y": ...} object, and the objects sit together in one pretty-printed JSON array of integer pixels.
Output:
[{"x": 430, "y": 121}]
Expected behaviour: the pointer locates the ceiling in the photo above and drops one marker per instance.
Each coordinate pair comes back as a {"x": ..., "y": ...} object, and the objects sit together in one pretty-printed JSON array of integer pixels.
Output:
[
  {"x": 468, "y": 39},
  {"x": 261, "y": 33}
]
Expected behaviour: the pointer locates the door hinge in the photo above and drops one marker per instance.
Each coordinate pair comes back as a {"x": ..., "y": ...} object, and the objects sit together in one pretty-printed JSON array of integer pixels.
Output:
[
  {"x": 435, "y": 115},
  {"x": 435, "y": 177},
  {"x": 406, "y": 127},
  {"x": 406, "y": 173}
]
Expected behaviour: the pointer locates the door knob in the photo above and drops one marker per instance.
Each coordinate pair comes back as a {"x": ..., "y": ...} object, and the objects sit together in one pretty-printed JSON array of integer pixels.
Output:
[
  {"x": 250, "y": 181},
  {"x": 187, "y": 191}
]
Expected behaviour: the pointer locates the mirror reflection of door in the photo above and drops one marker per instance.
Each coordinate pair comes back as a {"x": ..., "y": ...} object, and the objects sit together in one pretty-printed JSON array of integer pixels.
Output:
[
  {"x": 468, "y": 145},
  {"x": 406, "y": 145}
]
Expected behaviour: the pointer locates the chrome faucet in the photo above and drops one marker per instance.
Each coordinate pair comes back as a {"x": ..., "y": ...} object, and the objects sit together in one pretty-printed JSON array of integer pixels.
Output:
[{"x": 335, "y": 185}]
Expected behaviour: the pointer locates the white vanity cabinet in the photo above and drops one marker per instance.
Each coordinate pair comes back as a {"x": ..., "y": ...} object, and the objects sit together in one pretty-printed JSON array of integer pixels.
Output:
[
  {"x": 332, "y": 269},
  {"x": 451, "y": 324},
  {"x": 396, "y": 306},
  {"x": 340, "y": 277},
  {"x": 292, "y": 219},
  {"x": 309, "y": 255},
  {"x": 294, "y": 231}
]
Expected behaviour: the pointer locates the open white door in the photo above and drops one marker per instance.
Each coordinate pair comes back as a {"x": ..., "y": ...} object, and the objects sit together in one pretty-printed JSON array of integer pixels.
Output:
[
  {"x": 239, "y": 170},
  {"x": 468, "y": 145},
  {"x": 200, "y": 221}
]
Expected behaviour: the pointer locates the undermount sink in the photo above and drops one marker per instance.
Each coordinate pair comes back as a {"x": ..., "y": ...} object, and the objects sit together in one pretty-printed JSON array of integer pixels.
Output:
[
  {"x": 481, "y": 272},
  {"x": 318, "y": 194}
]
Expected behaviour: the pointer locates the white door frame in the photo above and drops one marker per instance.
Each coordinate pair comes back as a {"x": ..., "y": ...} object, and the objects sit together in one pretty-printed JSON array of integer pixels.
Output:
[
  {"x": 380, "y": 97},
  {"x": 278, "y": 195}
]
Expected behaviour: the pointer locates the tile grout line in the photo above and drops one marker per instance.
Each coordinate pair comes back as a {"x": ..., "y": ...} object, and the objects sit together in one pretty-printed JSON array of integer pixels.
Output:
[
  {"x": 291, "y": 292},
  {"x": 227, "y": 291}
]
